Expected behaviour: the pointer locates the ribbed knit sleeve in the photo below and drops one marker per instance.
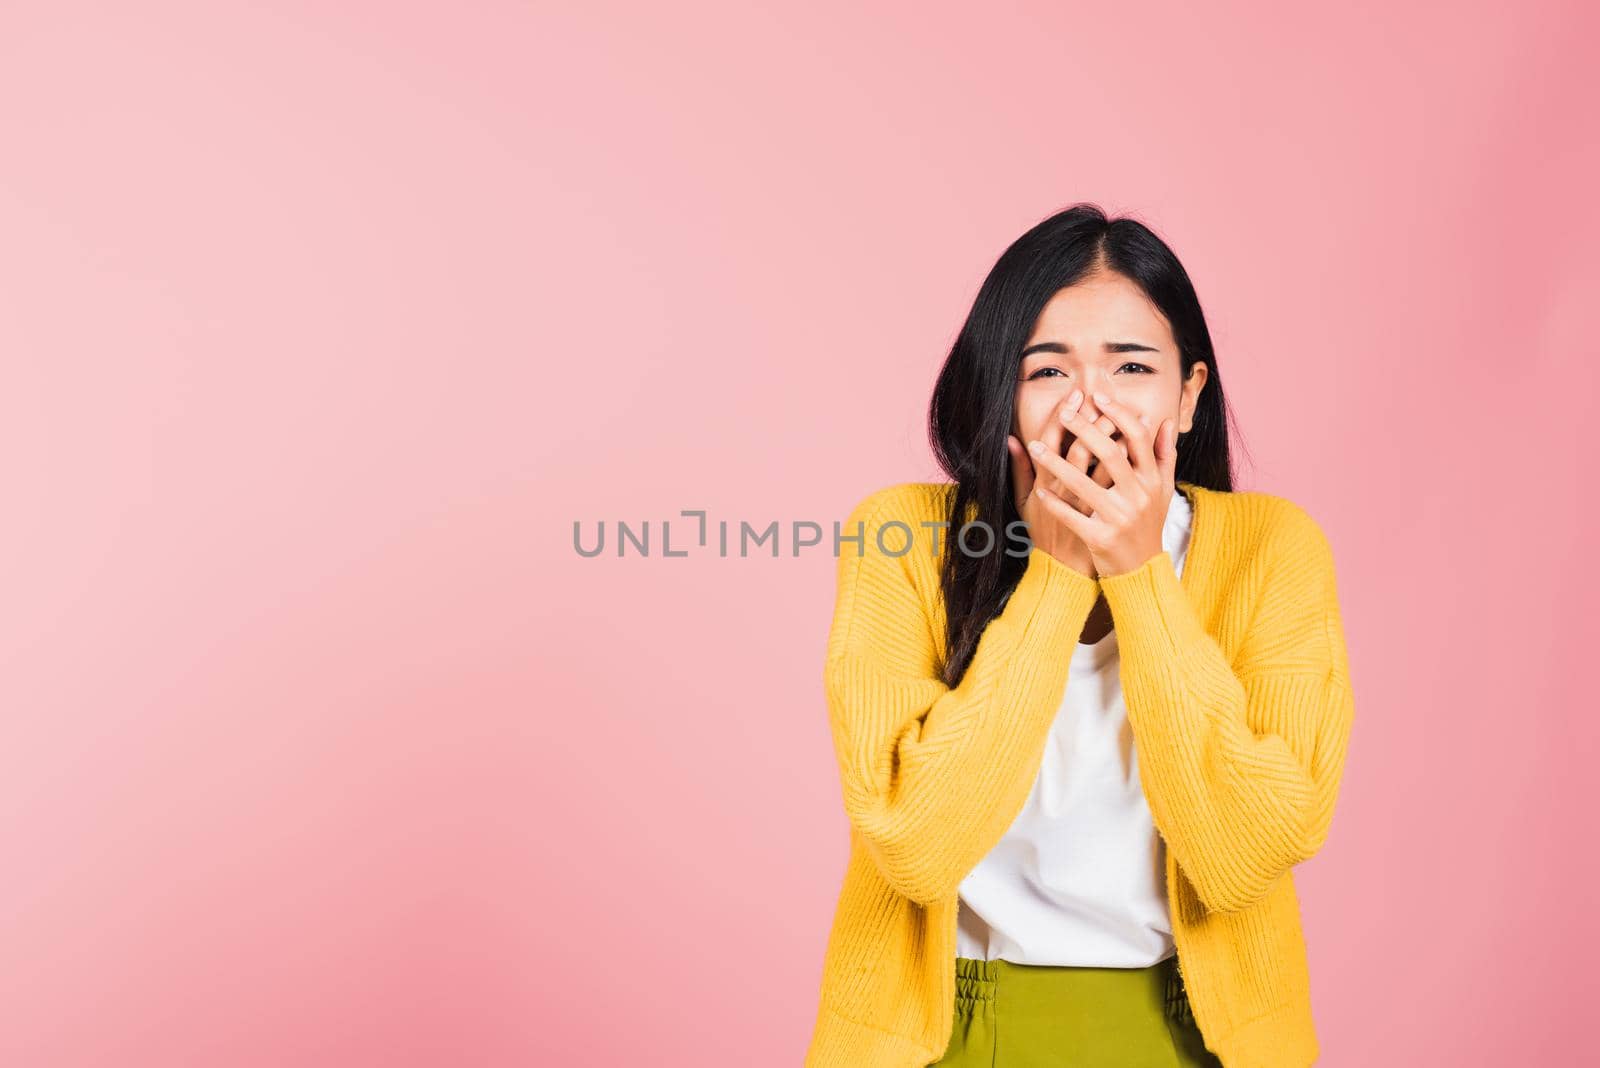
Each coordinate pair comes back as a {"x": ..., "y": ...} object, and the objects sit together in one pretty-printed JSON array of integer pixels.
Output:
[
  {"x": 933, "y": 776},
  {"x": 1241, "y": 766}
]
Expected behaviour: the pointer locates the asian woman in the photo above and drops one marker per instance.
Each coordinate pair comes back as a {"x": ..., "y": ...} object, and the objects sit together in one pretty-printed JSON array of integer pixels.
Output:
[{"x": 1084, "y": 737}]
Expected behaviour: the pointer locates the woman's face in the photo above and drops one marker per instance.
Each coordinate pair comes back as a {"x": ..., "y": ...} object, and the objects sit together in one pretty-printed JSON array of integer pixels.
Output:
[{"x": 1103, "y": 335}]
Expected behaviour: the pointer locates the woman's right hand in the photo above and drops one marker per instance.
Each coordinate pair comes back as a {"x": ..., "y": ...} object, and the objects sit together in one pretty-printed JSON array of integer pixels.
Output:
[{"x": 1044, "y": 529}]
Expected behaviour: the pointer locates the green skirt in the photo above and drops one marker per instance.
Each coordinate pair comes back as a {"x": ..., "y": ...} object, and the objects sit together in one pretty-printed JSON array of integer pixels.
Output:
[{"x": 1035, "y": 1016}]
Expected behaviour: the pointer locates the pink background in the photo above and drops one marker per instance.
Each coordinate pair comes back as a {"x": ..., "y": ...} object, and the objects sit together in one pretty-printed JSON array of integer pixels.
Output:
[{"x": 322, "y": 325}]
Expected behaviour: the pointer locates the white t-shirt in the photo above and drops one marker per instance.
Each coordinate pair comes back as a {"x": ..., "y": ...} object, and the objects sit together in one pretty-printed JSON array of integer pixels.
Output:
[{"x": 1080, "y": 876}]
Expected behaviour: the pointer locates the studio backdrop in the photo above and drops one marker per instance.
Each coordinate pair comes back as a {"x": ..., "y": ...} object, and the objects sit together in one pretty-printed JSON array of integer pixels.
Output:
[{"x": 338, "y": 336}]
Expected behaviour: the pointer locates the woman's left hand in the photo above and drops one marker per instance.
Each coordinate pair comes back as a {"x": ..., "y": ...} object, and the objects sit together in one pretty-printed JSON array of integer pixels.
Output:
[{"x": 1123, "y": 529}]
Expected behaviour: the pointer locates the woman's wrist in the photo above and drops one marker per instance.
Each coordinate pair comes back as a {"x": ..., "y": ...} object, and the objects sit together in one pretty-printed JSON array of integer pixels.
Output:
[{"x": 1075, "y": 556}]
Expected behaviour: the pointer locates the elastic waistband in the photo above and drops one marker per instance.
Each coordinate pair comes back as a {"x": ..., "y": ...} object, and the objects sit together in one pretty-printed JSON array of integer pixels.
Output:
[{"x": 979, "y": 981}]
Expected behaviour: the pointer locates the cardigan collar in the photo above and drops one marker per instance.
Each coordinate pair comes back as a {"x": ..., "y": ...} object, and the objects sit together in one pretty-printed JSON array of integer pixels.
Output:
[{"x": 1203, "y": 517}]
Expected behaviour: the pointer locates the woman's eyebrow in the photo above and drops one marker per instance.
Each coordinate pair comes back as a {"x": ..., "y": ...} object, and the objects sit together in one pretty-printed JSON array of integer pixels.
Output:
[{"x": 1110, "y": 346}]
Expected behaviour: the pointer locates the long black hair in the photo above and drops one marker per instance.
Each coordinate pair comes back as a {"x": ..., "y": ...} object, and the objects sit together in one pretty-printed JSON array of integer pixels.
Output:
[{"x": 971, "y": 410}]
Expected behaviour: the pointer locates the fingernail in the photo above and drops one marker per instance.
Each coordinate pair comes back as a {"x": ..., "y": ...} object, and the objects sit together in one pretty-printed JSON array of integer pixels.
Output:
[
  {"x": 1074, "y": 400},
  {"x": 1036, "y": 447},
  {"x": 1101, "y": 398}
]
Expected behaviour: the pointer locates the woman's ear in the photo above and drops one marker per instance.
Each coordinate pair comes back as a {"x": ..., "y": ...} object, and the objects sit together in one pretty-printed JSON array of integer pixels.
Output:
[{"x": 1193, "y": 386}]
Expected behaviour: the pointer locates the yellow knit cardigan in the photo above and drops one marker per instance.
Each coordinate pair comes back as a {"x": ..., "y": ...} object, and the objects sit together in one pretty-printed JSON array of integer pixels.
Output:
[{"x": 1238, "y": 695}]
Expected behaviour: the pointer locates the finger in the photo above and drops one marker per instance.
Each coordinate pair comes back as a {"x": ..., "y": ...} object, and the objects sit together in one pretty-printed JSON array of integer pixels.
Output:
[
  {"x": 1109, "y": 452},
  {"x": 1079, "y": 453},
  {"x": 1075, "y": 521},
  {"x": 1102, "y": 475},
  {"x": 1088, "y": 492},
  {"x": 1080, "y": 457},
  {"x": 1135, "y": 432},
  {"x": 1053, "y": 436},
  {"x": 1167, "y": 455}
]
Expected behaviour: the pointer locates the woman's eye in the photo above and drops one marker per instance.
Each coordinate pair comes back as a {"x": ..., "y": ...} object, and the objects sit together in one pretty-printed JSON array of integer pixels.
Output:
[{"x": 1055, "y": 372}]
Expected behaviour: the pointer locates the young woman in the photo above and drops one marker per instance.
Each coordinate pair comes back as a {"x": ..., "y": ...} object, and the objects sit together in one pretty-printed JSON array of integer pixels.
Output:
[{"x": 1084, "y": 735}]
